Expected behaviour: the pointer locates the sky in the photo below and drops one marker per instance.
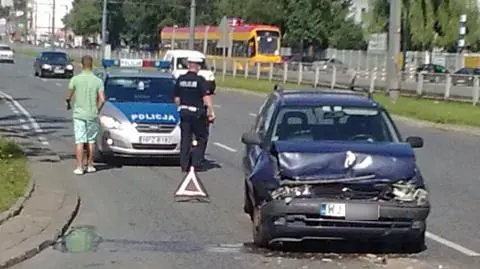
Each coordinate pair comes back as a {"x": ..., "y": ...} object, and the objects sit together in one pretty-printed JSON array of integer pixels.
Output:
[{"x": 44, "y": 13}]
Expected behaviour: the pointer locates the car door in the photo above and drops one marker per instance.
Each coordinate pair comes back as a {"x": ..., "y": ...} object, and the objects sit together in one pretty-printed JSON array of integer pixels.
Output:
[{"x": 252, "y": 152}]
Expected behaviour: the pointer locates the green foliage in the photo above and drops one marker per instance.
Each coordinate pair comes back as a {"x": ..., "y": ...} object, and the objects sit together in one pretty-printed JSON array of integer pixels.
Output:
[
  {"x": 430, "y": 22},
  {"x": 85, "y": 17},
  {"x": 307, "y": 22}
]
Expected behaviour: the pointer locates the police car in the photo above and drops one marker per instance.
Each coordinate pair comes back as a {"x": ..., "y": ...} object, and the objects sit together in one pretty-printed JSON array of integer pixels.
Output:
[
  {"x": 177, "y": 60},
  {"x": 139, "y": 117}
]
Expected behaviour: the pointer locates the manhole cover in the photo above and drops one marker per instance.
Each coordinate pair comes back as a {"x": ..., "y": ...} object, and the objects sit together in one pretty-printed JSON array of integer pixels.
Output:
[{"x": 79, "y": 240}]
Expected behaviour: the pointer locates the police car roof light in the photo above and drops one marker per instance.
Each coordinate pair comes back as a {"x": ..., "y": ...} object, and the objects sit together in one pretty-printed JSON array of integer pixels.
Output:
[{"x": 135, "y": 63}]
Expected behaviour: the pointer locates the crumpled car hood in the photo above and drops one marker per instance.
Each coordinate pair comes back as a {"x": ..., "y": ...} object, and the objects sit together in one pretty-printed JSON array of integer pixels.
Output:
[{"x": 333, "y": 160}]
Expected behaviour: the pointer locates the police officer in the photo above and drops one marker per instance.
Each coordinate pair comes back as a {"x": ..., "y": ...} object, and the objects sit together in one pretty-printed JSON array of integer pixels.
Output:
[{"x": 192, "y": 97}]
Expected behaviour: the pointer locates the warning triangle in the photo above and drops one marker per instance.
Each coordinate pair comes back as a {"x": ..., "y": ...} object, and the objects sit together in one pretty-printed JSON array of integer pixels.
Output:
[{"x": 191, "y": 189}]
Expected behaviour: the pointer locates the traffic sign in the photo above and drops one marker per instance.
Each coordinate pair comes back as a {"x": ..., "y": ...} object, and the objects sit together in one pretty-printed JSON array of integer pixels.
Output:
[
  {"x": 223, "y": 31},
  {"x": 191, "y": 189}
]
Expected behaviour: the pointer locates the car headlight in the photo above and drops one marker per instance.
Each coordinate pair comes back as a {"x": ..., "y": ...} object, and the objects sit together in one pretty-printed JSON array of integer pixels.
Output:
[
  {"x": 408, "y": 192},
  {"x": 46, "y": 66},
  {"x": 291, "y": 192},
  {"x": 69, "y": 67},
  {"x": 110, "y": 122}
]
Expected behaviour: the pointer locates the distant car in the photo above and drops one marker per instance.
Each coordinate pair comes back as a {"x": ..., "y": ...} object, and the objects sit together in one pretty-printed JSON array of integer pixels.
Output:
[
  {"x": 53, "y": 64},
  {"x": 322, "y": 164},
  {"x": 179, "y": 66},
  {"x": 7, "y": 54},
  {"x": 464, "y": 76},
  {"x": 432, "y": 72},
  {"x": 139, "y": 118}
]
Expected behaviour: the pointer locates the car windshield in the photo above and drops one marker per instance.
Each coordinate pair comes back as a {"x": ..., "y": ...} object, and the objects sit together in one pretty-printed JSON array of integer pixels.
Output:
[
  {"x": 333, "y": 123},
  {"x": 140, "y": 89},
  {"x": 5, "y": 48},
  {"x": 182, "y": 63},
  {"x": 54, "y": 57},
  {"x": 267, "y": 42}
]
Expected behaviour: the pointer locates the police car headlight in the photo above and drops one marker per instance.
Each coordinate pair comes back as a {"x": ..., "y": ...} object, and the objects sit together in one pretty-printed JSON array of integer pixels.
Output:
[
  {"x": 110, "y": 122},
  {"x": 69, "y": 67},
  {"x": 46, "y": 66}
]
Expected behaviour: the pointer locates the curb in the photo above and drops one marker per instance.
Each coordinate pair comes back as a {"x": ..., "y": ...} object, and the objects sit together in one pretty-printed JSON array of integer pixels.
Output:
[
  {"x": 49, "y": 236},
  {"x": 17, "y": 207},
  {"x": 470, "y": 130}
]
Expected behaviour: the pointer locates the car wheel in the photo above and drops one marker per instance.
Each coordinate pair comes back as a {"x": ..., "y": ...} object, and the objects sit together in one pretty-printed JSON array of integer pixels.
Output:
[
  {"x": 41, "y": 74},
  {"x": 415, "y": 245},
  {"x": 260, "y": 233}
]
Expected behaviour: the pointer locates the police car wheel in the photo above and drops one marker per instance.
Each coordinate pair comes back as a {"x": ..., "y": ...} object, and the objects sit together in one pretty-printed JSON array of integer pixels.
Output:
[{"x": 260, "y": 233}]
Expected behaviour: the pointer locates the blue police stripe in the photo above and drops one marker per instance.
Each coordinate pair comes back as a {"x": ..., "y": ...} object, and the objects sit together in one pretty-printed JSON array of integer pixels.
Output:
[{"x": 156, "y": 113}]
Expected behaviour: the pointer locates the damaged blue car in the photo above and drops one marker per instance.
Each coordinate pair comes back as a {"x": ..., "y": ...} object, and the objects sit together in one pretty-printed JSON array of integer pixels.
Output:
[{"x": 332, "y": 165}]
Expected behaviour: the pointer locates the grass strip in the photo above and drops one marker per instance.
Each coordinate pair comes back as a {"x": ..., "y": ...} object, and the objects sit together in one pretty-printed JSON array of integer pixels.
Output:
[
  {"x": 14, "y": 173},
  {"x": 446, "y": 112}
]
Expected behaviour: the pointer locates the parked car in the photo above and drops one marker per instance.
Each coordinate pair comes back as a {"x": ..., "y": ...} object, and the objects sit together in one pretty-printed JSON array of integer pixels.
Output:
[
  {"x": 432, "y": 72},
  {"x": 464, "y": 76}
]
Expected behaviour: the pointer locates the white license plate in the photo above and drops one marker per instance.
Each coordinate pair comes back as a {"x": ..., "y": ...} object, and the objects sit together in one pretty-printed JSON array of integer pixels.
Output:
[
  {"x": 332, "y": 210},
  {"x": 156, "y": 140},
  {"x": 59, "y": 71}
]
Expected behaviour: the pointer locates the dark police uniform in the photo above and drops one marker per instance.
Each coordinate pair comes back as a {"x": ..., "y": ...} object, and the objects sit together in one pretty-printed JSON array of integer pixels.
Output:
[{"x": 191, "y": 88}]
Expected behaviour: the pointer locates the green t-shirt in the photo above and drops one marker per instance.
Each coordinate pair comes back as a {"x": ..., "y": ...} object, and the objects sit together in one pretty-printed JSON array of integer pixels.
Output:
[{"x": 86, "y": 87}]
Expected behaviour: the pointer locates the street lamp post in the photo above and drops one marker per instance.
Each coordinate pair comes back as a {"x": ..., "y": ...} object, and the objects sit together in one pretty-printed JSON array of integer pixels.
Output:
[{"x": 191, "y": 40}]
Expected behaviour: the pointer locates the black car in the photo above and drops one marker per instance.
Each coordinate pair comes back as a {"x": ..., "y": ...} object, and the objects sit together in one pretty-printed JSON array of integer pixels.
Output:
[
  {"x": 432, "y": 72},
  {"x": 324, "y": 165},
  {"x": 464, "y": 76},
  {"x": 53, "y": 64}
]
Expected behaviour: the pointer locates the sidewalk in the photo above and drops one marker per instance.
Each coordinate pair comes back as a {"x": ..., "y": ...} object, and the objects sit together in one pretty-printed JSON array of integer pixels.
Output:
[{"x": 48, "y": 207}]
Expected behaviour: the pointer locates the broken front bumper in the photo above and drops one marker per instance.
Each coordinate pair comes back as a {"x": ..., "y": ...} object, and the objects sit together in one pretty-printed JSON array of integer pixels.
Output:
[{"x": 302, "y": 219}]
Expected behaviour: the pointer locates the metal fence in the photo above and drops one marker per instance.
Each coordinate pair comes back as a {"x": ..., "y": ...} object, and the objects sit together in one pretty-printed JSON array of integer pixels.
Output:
[{"x": 443, "y": 86}]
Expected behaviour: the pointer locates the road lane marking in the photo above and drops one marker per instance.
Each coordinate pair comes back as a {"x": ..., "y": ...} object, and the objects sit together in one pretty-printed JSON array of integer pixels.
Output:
[
  {"x": 217, "y": 106},
  {"x": 451, "y": 245},
  {"x": 225, "y": 147},
  {"x": 252, "y": 114},
  {"x": 26, "y": 114},
  {"x": 25, "y": 127},
  {"x": 22, "y": 121},
  {"x": 58, "y": 84}
]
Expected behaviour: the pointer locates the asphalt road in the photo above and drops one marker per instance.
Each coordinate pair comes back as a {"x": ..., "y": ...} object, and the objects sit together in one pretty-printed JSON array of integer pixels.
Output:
[{"x": 132, "y": 206}]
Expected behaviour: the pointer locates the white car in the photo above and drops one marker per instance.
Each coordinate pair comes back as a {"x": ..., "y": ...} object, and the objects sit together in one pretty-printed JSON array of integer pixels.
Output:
[
  {"x": 6, "y": 54},
  {"x": 178, "y": 65}
]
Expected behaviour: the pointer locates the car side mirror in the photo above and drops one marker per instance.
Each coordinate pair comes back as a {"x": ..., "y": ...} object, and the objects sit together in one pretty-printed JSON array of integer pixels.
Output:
[
  {"x": 251, "y": 138},
  {"x": 415, "y": 141}
]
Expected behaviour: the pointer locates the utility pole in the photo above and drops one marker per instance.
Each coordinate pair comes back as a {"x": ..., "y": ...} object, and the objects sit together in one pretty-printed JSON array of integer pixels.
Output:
[
  {"x": 191, "y": 40},
  {"x": 36, "y": 23},
  {"x": 394, "y": 30},
  {"x": 53, "y": 25},
  {"x": 65, "y": 38},
  {"x": 104, "y": 28}
]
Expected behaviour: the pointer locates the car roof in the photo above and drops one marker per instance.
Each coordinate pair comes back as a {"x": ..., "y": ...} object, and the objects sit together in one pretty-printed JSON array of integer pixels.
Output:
[
  {"x": 54, "y": 51},
  {"x": 324, "y": 96},
  {"x": 186, "y": 53}
]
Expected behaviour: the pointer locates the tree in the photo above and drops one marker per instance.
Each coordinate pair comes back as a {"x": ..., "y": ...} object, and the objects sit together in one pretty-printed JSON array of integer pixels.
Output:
[
  {"x": 421, "y": 19},
  {"x": 84, "y": 18}
]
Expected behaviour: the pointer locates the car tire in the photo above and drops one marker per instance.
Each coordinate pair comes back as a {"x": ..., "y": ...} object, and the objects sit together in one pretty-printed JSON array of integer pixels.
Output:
[
  {"x": 415, "y": 245},
  {"x": 35, "y": 74},
  {"x": 100, "y": 157},
  {"x": 260, "y": 233},
  {"x": 41, "y": 75}
]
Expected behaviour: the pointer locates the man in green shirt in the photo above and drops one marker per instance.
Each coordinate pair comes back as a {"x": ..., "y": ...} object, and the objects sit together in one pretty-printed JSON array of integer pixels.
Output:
[{"x": 88, "y": 98}]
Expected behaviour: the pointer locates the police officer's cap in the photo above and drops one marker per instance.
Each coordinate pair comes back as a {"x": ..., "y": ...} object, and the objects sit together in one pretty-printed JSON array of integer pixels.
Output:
[{"x": 196, "y": 60}]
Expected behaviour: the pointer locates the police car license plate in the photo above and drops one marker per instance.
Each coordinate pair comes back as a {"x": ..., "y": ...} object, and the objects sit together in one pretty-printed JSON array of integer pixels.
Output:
[
  {"x": 156, "y": 140},
  {"x": 332, "y": 210}
]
